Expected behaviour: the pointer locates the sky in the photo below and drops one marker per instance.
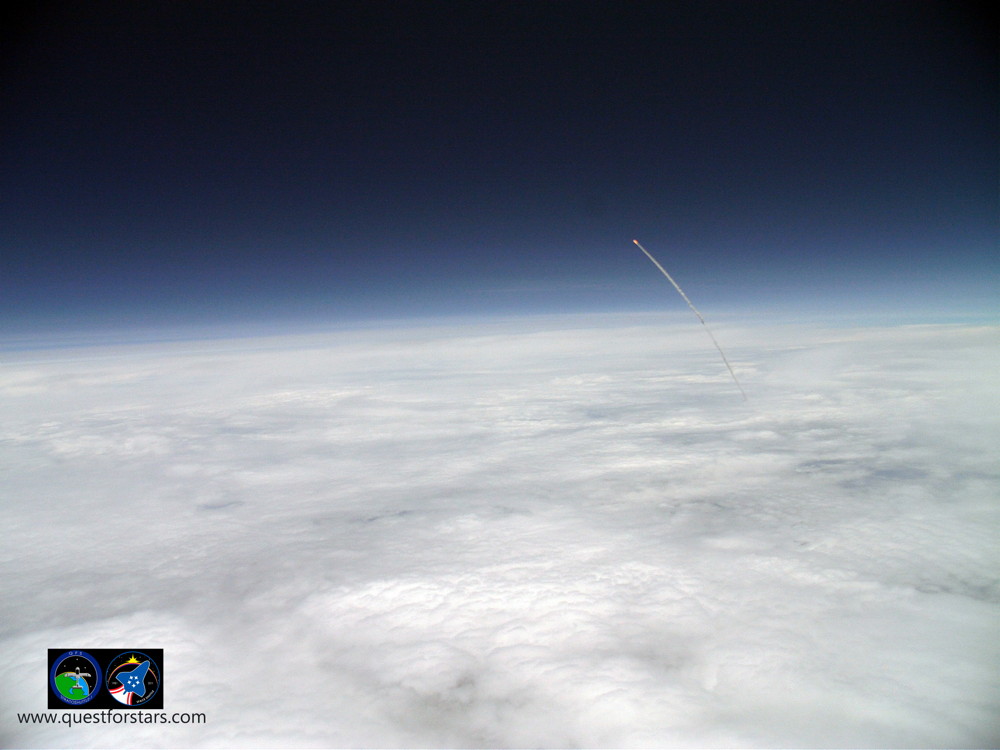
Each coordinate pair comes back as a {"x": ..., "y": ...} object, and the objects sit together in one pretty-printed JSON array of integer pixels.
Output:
[{"x": 165, "y": 162}]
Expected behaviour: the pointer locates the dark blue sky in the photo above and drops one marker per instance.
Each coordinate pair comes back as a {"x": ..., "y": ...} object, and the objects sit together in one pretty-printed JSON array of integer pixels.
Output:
[{"x": 164, "y": 162}]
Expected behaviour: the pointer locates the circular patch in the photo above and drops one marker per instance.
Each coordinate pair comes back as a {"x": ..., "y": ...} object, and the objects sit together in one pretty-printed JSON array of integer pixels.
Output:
[
  {"x": 75, "y": 677},
  {"x": 133, "y": 678}
]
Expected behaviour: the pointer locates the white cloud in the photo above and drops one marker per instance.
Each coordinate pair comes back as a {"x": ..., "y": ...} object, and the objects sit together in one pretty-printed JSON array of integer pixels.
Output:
[{"x": 536, "y": 533}]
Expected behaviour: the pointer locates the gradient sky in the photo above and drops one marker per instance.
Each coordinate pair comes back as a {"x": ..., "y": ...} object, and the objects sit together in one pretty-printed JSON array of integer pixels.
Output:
[{"x": 169, "y": 162}]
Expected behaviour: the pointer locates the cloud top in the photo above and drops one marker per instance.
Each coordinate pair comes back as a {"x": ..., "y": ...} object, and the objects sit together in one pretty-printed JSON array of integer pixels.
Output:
[{"x": 516, "y": 535}]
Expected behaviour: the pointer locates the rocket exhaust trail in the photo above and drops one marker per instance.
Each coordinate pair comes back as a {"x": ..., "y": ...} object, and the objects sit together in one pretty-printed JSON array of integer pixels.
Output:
[{"x": 695, "y": 311}]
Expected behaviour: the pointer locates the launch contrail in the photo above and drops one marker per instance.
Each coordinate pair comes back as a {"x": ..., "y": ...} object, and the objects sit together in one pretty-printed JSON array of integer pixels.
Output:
[{"x": 695, "y": 311}]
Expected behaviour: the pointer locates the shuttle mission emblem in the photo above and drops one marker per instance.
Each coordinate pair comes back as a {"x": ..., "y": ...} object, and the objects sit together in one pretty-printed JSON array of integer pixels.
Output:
[
  {"x": 133, "y": 678},
  {"x": 75, "y": 678}
]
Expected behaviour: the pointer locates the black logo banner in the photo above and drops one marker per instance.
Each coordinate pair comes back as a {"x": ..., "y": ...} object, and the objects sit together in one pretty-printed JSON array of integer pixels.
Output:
[{"x": 102, "y": 678}]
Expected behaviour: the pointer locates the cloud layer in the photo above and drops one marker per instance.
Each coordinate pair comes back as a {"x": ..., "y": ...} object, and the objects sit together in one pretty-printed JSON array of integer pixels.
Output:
[{"x": 546, "y": 532}]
